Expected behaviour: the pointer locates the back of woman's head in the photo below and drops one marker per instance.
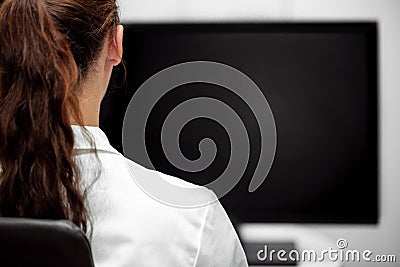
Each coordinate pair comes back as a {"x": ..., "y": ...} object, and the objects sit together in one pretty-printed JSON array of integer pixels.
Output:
[{"x": 47, "y": 48}]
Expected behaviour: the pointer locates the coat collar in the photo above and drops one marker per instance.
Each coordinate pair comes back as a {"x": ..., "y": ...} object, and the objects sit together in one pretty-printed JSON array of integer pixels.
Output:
[{"x": 99, "y": 138}]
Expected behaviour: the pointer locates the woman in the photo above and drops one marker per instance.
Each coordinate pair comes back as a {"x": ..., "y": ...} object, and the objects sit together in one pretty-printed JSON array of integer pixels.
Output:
[{"x": 55, "y": 64}]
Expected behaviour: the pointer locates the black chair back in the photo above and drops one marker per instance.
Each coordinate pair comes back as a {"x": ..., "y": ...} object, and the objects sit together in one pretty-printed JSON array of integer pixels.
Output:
[{"x": 43, "y": 243}]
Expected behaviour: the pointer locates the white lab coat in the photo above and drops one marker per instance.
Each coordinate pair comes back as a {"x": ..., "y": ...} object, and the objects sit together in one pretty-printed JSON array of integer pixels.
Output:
[{"x": 132, "y": 229}]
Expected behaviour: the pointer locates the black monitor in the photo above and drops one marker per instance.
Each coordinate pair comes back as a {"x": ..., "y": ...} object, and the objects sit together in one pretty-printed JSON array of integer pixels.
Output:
[{"x": 320, "y": 81}]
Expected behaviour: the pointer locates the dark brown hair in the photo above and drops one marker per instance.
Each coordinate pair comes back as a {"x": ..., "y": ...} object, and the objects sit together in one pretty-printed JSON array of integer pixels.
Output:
[{"x": 46, "y": 49}]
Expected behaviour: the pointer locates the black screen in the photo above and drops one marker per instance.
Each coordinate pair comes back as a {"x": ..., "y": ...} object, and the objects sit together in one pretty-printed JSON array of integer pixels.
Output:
[{"x": 320, "y": 80}]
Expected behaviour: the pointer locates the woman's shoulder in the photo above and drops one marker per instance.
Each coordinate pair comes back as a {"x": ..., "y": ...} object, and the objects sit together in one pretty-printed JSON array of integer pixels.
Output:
[
  {"x": 166, "y": 189},
  {"x": 133, "y": 203},
  {"x": 127, "y": 190},
  {"x": 155, "y": 219},
  {"x": 169, "y": 190}
]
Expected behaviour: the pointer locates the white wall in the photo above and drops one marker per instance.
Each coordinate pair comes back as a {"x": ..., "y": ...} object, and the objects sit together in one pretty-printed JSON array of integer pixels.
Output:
[{"x": 385, "y": 237}]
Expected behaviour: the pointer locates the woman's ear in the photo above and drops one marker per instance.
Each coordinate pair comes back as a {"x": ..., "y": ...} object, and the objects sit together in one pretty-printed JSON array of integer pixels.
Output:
[{"x": 115, "y": 49}]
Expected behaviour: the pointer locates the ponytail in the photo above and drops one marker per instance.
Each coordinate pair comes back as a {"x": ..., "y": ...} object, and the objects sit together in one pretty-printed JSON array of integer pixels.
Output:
[{"x": 38, "y": 78}]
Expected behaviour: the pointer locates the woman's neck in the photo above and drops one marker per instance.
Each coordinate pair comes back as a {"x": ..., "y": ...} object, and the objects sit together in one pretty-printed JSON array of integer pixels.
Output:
[{"x": 90, "y": 111}]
